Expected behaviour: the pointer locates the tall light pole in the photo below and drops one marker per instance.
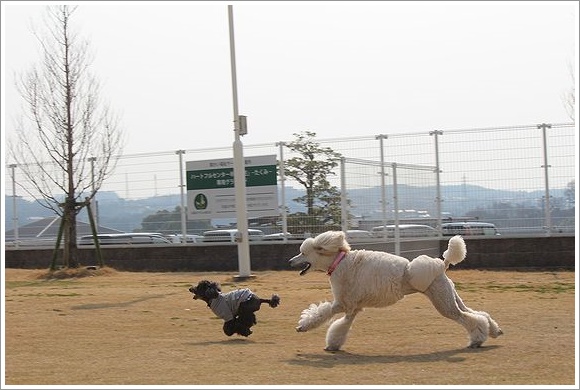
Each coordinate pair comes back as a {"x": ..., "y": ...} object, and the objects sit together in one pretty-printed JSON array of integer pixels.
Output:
[{"x": 239, "y": 166}]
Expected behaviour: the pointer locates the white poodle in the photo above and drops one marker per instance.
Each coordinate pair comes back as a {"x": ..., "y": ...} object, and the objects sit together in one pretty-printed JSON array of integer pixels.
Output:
[{"x": 361, "y": 278}]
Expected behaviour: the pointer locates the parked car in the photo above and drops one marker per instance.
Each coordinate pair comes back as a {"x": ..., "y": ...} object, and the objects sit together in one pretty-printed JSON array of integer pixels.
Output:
[
  {"x": 469, "y": 229},
  {"x": 359, "y": 235},
  {"x": 189, "y": 238},
  {"x": 280, "y": 236},
  {"x": 125, "y": 239},
  {"x": 230, "y": 235},
  {"x": 405, "y": 230}
]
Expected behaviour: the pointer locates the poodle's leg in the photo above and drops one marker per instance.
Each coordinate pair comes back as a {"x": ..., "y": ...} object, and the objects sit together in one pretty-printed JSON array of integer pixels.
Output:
[
  {"x": 246, "y": 311},
  {"x": 338, "y": 331},
  {"x": 241, "y": 326},
  {"x": 494, "y": 329},
  {"x": 442, "y": 294},
  {"x": 229, "y": 327},
  {"x": 316, "y": 315}
]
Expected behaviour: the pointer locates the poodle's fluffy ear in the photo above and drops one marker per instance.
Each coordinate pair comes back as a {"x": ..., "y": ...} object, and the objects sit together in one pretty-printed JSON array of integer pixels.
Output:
[
  {"x": 207, "y": 289},
  {"x": 213, "y": 290},
  {"x": 331, "y": 242}
]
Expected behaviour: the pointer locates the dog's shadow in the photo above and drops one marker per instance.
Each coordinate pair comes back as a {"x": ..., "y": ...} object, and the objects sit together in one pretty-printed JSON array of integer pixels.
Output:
[
  {"x": 237, "y": 341},
  {"x": 332, "y": 359}
]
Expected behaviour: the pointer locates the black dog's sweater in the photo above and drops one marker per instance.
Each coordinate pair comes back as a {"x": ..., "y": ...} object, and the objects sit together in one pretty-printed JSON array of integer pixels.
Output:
[{"x": 226, "y": 305}]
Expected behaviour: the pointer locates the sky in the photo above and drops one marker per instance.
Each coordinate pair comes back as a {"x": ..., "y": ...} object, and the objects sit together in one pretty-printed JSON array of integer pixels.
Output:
[{"x": 339, "y": 69}]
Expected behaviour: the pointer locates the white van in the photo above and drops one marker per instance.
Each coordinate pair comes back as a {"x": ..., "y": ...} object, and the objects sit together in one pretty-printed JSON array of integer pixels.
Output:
[{"x": 231, "y": 235}]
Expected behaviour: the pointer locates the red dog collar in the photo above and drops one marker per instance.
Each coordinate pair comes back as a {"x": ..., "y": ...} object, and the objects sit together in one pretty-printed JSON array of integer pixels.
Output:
[{"x": 334, "y": 264}]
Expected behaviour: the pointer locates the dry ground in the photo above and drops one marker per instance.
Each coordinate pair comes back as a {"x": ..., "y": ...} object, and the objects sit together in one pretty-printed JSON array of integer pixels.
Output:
[{"x": 129, "y": 328}]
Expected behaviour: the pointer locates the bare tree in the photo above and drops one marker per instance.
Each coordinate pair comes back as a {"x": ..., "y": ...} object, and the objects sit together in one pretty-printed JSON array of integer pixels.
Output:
[
  {"x": 569, "y": 97},
  {"x": 67, "y": 141}
]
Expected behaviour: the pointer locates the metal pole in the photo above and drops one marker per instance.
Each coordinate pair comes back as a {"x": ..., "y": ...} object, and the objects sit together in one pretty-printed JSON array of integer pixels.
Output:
[
  {"x": 343, "y": 203},
  {"x": 93, "y": 210},
  {"x": 182, "y": 189},
  {"x": 547, "y": 212},
  {"x": 239, "y": 168},
  {"x": 381, "y": 137},
  {"x": 14, "y": 208},
  {"x": 438, "y": 200},
  {"x": 396, "y": 206},
  {"x": 283, "y": 193}
]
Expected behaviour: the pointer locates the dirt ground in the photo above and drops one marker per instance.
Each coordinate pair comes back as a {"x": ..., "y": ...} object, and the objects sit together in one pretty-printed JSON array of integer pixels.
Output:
[{"x": 127, "y": 328}]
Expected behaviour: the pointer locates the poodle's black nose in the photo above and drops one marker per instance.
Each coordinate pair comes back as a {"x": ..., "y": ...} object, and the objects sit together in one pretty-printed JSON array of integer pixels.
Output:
[{"x": 191, "y": 290}]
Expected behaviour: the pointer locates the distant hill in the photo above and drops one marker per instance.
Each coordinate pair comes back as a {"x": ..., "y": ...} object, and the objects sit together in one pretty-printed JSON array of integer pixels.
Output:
[{"x": 127, "y": 214}]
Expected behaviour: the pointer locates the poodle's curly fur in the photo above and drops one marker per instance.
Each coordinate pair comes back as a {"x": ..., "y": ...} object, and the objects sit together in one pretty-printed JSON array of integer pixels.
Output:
[
  {"x": 236, "y": 307},
  {"x": 362, "y": 278}
]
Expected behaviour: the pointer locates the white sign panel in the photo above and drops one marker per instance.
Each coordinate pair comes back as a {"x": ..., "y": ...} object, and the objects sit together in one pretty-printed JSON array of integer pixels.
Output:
[{"x": 211, "y": 192}]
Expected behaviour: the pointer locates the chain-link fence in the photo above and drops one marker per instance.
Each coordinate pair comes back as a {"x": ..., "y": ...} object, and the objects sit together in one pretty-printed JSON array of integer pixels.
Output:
[{"x": 520, "y": 178}]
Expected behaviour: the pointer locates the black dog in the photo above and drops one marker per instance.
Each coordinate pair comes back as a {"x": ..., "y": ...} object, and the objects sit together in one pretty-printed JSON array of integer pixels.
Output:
[{"x": 236, "y": 307}]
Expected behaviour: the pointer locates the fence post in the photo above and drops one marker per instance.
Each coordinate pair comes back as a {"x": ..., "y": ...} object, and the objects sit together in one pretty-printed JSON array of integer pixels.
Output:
[
  {"x": 396, "y": 207},
  {"x": 283, "y": 192},
  {"x": 381, "y": 137},
  {"x": 438, "y": 200},
  {"x": 344, "y": 212},
  {"x": 547, "y": 211},
  {"x": 181, "y": 188}
]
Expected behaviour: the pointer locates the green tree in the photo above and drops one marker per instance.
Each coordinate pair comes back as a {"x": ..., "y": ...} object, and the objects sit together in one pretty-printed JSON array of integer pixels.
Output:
[
  {"x": 67, "y": 139},
  {"x": 311, "y": 168}
]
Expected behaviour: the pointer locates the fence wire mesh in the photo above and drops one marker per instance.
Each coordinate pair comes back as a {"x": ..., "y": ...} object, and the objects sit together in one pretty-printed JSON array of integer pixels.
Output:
[{"x": 521, "y": 178}]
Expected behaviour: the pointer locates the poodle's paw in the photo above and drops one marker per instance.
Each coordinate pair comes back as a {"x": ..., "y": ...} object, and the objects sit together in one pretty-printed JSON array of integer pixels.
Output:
[
  {"x": 330, "y": 348},
  {"x": 495, "y": 333},
  {"x": 303, "y": 325},
  {"x": 245, "y": 332},
  {"x": 475, "y": 344},
  {"x": 494, "y": 329}
]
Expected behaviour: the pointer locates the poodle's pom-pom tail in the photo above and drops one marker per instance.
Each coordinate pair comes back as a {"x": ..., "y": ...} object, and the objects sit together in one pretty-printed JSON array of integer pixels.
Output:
[
  {"x": 456, "y": 250},
  {"x": 274, "y": 301}
]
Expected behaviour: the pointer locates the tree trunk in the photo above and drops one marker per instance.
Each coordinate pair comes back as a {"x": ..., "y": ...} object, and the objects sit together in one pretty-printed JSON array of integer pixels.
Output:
[
  {"x": 70, "y": 252},
  {"x": 310, "y": 201}
]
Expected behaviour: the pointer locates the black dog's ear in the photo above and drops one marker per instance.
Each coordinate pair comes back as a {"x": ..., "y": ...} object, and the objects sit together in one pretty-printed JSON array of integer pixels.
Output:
[
  {"x": 213, "y": 290},
  {"x": 216, "y": 286},
  {"x": 202, "y": 285}
]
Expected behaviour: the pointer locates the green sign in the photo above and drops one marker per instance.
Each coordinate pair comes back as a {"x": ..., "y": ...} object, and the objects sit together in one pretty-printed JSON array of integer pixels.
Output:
[{"x": 261, "y": 175}]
